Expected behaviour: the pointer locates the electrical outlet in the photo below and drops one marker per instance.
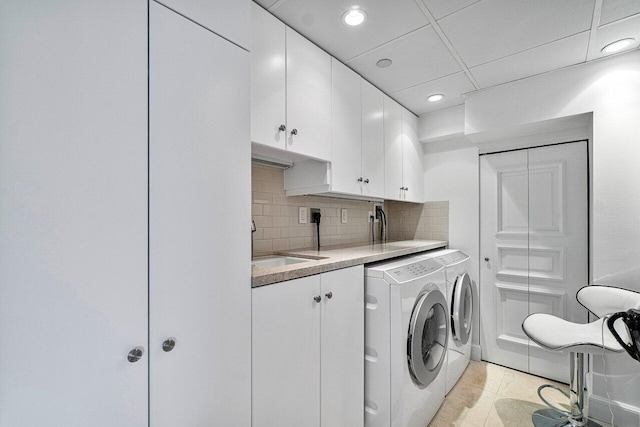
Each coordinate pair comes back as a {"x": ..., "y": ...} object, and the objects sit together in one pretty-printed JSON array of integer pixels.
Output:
[
  {"x": 344, "y": 216},
  {"x": 370, "y": 216},
  {"x": 302, "y": 215}
]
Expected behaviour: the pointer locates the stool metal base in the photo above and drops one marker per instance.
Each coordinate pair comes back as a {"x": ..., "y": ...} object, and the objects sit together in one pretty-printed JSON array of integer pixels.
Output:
[{"x": 551, "y": 418}]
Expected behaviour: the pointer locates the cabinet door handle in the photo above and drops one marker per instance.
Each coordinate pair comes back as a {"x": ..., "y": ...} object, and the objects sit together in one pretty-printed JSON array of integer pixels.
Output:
[
  {"x": 406, "y": 188},
  {"x": 135, "y": 354},
  {"x": 317, "y": 298},
  {"x": 366, "y": 181},
  {"x": 329, "y": 295},
  {"x": 486, "y": 259},
  {"x": 294, "y": 131},
  {"x": 168, "y": 344},
  {"x": 360, "y": 179},
  {"x": 282, "y": 128}
]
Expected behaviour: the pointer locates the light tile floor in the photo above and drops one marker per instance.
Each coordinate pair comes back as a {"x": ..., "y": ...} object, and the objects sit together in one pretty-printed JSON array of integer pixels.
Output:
[{"x": 489, "y": 395}]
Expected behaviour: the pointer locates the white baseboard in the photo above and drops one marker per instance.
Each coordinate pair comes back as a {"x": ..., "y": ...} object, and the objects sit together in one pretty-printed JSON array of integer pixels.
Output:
[
  {"x": 623, "y": 415},
  {"x": 476, "y": 352}
]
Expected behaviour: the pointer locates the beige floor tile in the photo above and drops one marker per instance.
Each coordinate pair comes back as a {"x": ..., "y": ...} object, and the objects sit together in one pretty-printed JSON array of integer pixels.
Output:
[
  {"x": 521, "y": 386},
  {"x": 483, "y": 375},
  {"x": 465, "y": 406},
  {"x": 507, "y": 412}
]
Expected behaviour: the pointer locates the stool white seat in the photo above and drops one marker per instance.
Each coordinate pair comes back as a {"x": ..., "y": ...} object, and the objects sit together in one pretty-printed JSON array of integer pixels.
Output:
[{"x": 554, "y": 333}]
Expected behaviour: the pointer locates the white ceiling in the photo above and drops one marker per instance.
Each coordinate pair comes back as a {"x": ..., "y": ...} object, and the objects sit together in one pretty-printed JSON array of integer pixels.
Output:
[{"x": 458, "y": 46}]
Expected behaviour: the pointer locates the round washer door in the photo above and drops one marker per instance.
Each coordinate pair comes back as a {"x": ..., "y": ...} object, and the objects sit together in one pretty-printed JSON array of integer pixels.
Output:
[
  {"x": 427, "y": 340},
  {"x": 461, "y": 309}
]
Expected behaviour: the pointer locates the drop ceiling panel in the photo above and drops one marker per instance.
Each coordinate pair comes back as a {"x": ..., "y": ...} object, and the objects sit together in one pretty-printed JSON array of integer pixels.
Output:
[
  {"x": 266, "y": 3},
  {"x": 321, "y": 22},
  {"x": 492, "y": 29},
  {"x": 452, "y": 87},
  {"x": 442, "y": 8},
  {"x": 623, "y": 29},
  {"x": 417, "y": 58},
  {"x": 562, "y": 53},
  {"x": 614, "y": 10}
]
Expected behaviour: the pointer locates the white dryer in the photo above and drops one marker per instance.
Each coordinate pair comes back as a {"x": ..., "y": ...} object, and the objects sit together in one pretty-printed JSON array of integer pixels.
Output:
[
  {"x": 406, "y": 333},
  {"x": 460, "y": 305}
]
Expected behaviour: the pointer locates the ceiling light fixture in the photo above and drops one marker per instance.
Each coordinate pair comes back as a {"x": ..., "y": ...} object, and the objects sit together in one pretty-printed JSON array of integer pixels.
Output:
[
  {"x": 384, "y": 63},
  {"x": 435, "y": 97},
  {"x": 617, "y": 45},
  {"x": 354, "y": 16}
]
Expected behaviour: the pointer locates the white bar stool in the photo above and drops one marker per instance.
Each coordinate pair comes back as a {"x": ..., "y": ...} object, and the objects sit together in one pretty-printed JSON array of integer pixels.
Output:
[{"x": 554, "y": 333}]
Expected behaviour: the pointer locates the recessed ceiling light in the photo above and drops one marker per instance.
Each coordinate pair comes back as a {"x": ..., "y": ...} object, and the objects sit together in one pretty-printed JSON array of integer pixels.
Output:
[
  {"x": 354, "y": 16},
  {"x": 384, "y": 63},
  {"x": 617, "y": 45},
  {"x": 435, "y": 97}
]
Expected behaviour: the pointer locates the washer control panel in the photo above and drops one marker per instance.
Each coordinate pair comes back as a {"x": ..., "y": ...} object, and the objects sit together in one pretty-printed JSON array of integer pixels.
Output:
[
  {"x": 414, "y": 270},
  {"x": 452, "y": 258}
]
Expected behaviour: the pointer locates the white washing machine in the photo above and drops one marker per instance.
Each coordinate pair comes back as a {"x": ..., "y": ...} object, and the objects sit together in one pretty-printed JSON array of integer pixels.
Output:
[
  {"x": 406, "y": 333},
  {"x": 460, "y": 305}
]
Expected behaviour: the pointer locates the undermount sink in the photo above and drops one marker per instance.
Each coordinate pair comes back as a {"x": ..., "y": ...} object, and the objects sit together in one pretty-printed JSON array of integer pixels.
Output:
[{"x": 276, "y": 261}]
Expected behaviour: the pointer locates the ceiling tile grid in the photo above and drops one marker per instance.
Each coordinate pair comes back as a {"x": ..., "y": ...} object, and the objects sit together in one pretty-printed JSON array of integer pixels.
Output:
[
  {"x": 457, "y": 46},
  {"x": 416, "y": 58}
]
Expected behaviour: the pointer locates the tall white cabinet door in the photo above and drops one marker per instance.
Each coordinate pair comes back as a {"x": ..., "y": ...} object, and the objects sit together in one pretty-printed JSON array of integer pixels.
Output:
[
  {"x": 392, "y": 150},
  {"x": 268, "y": 79},
  {"x": 504, "y": 290},
  {"x": 342, "y": 344},
  {"x": 228, "y": 18},
  {"x": 286, "y": 354},
  {"x": 308, "y": 98},
  {"x": 372, "y": 140},
  {"x": 199, "y": 212},
  {"x": 73, "y": 213},
  {"x": 412, "y": 169},
  {"x": 346, "y": 130}
]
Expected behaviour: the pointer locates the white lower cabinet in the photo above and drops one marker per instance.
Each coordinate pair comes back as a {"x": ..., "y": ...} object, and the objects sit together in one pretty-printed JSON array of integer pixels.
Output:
[{"x": 308, "y": 351}]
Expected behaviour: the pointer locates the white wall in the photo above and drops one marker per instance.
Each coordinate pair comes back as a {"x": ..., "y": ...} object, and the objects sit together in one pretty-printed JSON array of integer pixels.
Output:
[
  {"x": 610, "y": 90},
  {"x": 453, "y": 175}
]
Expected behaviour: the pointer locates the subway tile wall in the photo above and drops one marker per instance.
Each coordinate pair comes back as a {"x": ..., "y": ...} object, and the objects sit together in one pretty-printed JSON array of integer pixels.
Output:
[
  {"x": 428, "y": 221},
  {"x": 277, "y": 227}
]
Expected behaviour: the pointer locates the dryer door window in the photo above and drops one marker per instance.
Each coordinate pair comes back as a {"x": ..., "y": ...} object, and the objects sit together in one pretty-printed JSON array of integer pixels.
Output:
[
  {"x": 461, "y": 309},
  {"x": 428, "y": 334}
]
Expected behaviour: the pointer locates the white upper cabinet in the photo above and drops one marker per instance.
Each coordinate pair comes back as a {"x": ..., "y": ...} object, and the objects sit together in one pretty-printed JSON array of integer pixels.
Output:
[
  {"x": 393, "y": 187},
  {"x": 290, "y": 89},
  {"x": 346, "y": 130},
  {"x": 268, "y": 79},
  {"x": 404, "y": 173},
  {"x": 412, "y": 168},
  {"x": 372, "y": 140},
  {"x": 227, "y": 18},
  {"x": 308, "y": 98}
]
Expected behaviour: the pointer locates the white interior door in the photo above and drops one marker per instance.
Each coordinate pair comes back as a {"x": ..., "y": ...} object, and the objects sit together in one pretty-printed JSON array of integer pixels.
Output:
[
  {"x": 199, "y": 226},
  {"x": 534, "y": 248},
  {"x": 73, "y": 213}
]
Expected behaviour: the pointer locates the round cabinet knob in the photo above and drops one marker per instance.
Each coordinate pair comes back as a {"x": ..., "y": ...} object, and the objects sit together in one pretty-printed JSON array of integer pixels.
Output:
[
  {"x": 360, "y": 179},
  {"x": 406, "y": 188},
  {"x": 282, "y": 128},
  {"x": 294, "y": 131},
  {"x": 486, "y": 259},
  {"x": 366, "y": 181},
  {"x": 317, "y": 298},
  {"x": 168, "y": 344},
  {"x": 135, "y": 354},
  {"x": 329, "y": 295}
]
